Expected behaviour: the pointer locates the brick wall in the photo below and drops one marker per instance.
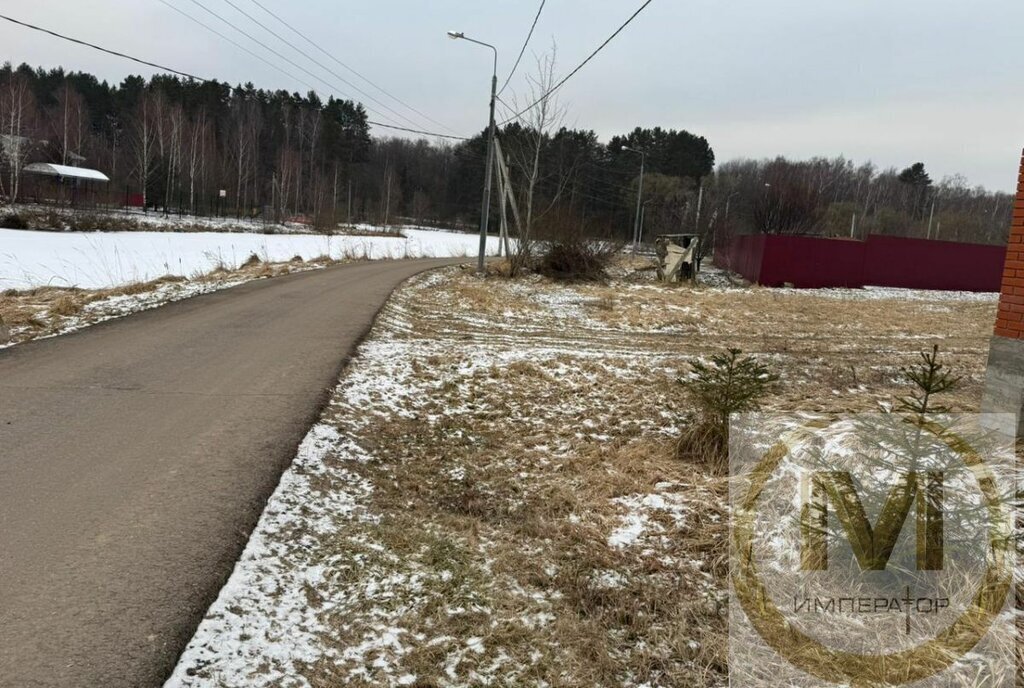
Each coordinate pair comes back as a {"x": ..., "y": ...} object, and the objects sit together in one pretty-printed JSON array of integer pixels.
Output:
[{"x": 1010, "y": 321}]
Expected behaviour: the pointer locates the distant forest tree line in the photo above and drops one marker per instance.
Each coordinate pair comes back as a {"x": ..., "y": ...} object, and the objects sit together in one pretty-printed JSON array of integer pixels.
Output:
[{"x": 178, "y": 144}]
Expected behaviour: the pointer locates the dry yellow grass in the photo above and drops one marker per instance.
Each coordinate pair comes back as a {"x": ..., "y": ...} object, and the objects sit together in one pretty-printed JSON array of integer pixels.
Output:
[
  {"x": 65, "y": 305},
  {"x": 41, "y": 311},
  {"x": 527, "y": 521}
]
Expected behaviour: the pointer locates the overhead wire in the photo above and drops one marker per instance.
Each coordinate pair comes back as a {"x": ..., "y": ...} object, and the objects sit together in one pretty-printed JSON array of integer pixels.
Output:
[
  {"x": 350, "y": 69},
  {"x": 291, "y": 62},
  {"x": 200, "y": 79},
  {"x": 115, "y": 53},
  {"x": 583, "y": 64},
  {"x": 236, "y": 44},
  {"x": 525, "y": 44},
  {"x": 419, "y": 131},
  {"x": 318, "y": 63},
  {"x": 390, "y": 125}
]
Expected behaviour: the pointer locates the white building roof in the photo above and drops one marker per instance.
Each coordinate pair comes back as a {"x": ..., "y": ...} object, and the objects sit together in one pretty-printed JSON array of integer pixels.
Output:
[{"x": 65, "y": 171}]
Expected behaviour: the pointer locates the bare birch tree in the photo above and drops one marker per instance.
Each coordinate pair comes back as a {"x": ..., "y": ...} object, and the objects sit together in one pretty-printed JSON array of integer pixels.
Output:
[
  {"x": 176, "y": 132},
  {"x": 144, "y": 137},
  {"x": 195, "y": 163},
  {"x": 244, "y": 141},
  {"x": 68, "y": 122},
  {"x": 539, "y": 122},
  {"x": 17, "y": 115}
]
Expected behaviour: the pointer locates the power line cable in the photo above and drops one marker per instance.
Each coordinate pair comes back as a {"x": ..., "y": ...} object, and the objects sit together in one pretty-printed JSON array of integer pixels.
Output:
[
  {"x": 266, "y": 47},
  {"x": 320, "y": 64},
  {"x": 419, "y": 131},
  {"x": 236, "y": 44},
  {"x": 523, "y": 51},
  {"x": 350, "y": 69},
  {"x": 288, "y": 74},
  {"x": 165, "y": 68},
  {"x": 102, "y": 49},
  {"x": 507, "y": 108},
  {"x": 582, "y": 64}
]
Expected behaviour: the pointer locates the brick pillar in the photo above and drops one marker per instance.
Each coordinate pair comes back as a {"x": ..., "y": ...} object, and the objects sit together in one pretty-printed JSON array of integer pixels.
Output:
[{"x": 1004, "y": 388}]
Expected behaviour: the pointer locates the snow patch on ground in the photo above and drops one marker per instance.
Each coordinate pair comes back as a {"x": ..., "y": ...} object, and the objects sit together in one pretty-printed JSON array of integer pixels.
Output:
[
  {"x": 262, "y": 623},
  {"x": 641, "y": 516},
  {"x": 122, "y": 305},
  {"x": 98, "y": 260}
]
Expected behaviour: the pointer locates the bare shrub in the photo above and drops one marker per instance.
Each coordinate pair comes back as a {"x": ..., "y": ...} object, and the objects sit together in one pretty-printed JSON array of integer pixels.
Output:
[
  {"x": 13, "y": 221},
  {"x": 575, "y": 259},
  {"x": 252, "y": 260}
]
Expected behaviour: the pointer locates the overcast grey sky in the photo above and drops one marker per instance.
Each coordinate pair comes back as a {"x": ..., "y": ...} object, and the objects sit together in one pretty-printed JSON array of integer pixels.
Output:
[{"x": 893, "y": 81}]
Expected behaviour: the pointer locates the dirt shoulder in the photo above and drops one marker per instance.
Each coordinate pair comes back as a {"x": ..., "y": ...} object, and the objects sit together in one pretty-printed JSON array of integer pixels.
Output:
[{"x": 492, "y": 494}]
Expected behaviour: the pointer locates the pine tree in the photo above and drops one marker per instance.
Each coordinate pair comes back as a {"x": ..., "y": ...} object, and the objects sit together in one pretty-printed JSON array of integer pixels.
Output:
[
  {"x": 915, "y": 175},
  {"x": 930, "y": 379},
  {"x": 730, "y": 383}
]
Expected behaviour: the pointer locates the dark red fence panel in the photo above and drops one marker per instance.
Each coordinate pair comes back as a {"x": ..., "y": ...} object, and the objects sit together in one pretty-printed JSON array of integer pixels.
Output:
[
  {"x": 814, "y": 262},
  {"x": 811, "y": 262},
  {"x": 743, "y": 255},
  {"x": 924, "y": 264}
]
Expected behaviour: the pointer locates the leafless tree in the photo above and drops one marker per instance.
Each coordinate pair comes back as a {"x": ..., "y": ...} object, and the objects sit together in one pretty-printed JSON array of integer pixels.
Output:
[
  {"x": 524, "y": 151},
  {"x": 17, "y": 119},
  {"x": 68, "y": 122},
  {"x": 244, "y": 143},
  {"x": 195, "y": 163},
  {"x": 176, "y": 134},
  {"x": 144, "y": 140}
]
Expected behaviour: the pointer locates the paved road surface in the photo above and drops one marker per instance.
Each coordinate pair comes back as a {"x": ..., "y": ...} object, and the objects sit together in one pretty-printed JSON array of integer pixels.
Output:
[{"x": 136, "y": 456}]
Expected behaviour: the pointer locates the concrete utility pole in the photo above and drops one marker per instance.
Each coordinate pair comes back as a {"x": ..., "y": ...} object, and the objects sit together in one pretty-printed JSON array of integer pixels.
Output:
[
  {"x": 643, "y": 214},
  {"x": 700, "y": 205},
  {"x": 639, "y": 196},
  {"x": 485, "y": 211},
  {"x": 643, "y": 217},
  {"x": 931, "y": 218}
]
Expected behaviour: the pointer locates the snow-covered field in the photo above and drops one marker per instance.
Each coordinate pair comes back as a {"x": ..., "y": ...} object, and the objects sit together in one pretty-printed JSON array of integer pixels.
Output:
[{"x": 96, "y": 260}]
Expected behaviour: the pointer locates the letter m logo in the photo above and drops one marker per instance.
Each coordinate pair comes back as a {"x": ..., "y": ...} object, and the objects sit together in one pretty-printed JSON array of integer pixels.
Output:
[{"x": 871, "y": 545}]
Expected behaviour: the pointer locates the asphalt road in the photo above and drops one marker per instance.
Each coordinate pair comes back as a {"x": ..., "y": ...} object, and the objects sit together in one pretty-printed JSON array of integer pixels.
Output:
[{"x": 136, "y": 456}]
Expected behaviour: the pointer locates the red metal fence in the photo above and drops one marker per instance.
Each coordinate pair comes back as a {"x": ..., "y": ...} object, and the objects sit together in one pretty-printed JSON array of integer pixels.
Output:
[{"x": 880, "y": 261}]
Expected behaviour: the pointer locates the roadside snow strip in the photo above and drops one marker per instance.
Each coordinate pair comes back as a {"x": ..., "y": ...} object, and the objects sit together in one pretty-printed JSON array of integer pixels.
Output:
[{"x": 99, "y": 260}]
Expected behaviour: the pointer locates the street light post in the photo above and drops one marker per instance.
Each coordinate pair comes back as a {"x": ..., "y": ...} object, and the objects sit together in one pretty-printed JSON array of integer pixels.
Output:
[
  {"x": 485, "y": 210},
  {"x": 639, "y": 196},
  {"x": 643, "y": 218}
]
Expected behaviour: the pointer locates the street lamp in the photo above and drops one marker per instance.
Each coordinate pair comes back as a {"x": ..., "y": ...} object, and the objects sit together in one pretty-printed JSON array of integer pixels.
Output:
[
  {"x": 639, "y": 195},
  {"x": 643, "y": 218},
  {"x": 485, "y": 211}
]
